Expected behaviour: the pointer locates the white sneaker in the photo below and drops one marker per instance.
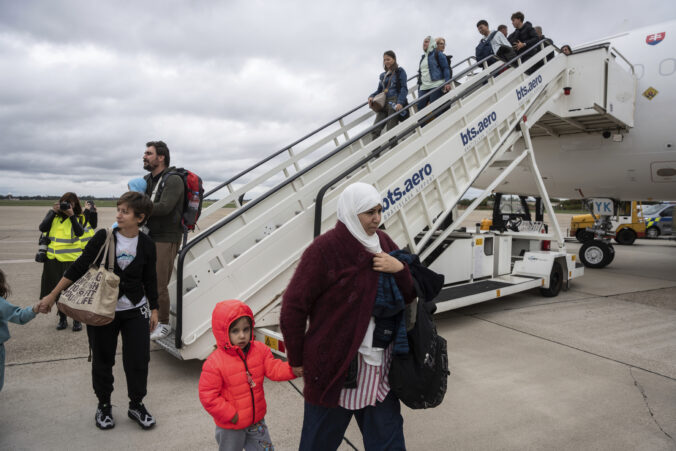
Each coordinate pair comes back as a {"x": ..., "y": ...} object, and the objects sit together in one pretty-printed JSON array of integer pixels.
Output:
[{"x": 161, "y": 331}]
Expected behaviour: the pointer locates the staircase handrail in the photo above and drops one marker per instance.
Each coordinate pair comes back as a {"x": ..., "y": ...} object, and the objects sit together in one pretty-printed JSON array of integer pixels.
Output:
[
  {"x": 376, "y": 153},
  {"x": 249, "y": 205},
  {"x": 300, "y": 140}
]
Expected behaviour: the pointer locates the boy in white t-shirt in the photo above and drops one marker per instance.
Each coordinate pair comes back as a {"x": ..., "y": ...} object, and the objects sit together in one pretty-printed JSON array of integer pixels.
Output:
[{"x": 136, "y": 312}]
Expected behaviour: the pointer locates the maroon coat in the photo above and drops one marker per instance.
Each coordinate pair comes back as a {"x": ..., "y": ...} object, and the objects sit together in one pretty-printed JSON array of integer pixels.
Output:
[{"x": 335, "y": 287}]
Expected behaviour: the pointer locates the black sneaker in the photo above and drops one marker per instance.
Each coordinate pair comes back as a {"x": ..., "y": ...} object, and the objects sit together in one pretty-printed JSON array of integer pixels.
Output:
[
  {"x": 77, "y": 326},
  {"x": 138, "y": 413},
  {"x": 104, "y": 417},
  {"x": 62, "y": 324}
]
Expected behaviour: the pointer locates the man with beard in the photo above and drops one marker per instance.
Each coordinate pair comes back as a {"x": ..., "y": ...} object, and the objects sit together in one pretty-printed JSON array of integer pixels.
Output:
[{"x": 166, "y": 191}]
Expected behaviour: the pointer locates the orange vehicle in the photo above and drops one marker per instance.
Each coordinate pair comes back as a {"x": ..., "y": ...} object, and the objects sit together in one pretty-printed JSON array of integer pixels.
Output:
[{"x": 628, "y": 224}]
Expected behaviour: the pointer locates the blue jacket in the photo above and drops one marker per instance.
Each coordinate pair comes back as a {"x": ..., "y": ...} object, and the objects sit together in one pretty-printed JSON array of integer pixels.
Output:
[
  {"x": 388, "y": 311},
  {"x": 438, "y": 65},
  {"x": 398, "y": 87},
  {"x": 13, "y": 314}
]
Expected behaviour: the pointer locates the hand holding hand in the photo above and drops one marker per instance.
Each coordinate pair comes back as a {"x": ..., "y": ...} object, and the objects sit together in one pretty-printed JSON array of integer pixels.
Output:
[
  {"x": 297, "y": 371},
  {"x": 42, "y": 307},
  {"x": 518, "y": 45},
  {"x": 46, "y": 303},
  {"x": 383, "y": 262}
]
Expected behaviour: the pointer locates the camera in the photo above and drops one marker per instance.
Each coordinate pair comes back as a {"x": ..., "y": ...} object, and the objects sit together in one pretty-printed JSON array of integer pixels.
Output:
[
  {"x": 41, "y": 256},
  {"x": 64, "y": 206}
]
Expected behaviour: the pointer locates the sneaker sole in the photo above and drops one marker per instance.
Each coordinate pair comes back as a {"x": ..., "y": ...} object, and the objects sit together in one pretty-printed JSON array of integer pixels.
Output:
[
  {"x": 159, "y": 336},
  {"x": 104, "y": 428},
  {"x": 138, "y": 421}
]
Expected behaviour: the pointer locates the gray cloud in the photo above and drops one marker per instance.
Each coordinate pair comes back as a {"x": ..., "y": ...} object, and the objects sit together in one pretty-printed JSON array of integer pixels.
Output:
[{"x": 83, "y": 85}]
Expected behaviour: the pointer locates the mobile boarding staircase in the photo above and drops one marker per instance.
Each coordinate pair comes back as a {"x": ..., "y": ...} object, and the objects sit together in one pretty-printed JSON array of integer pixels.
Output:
[{"x": 422, "y": 167}]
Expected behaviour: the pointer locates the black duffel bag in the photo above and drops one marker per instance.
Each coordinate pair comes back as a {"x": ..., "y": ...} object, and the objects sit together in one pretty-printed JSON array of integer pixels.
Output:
[{"x": 419, "y": 378}]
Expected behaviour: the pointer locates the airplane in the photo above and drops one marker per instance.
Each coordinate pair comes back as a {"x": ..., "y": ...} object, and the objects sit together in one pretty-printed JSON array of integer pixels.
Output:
[{"x": 630, "y": 164}]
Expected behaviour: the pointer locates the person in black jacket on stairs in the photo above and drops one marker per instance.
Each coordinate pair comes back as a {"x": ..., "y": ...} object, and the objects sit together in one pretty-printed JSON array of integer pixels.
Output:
[{"x": 524, "y": 37}]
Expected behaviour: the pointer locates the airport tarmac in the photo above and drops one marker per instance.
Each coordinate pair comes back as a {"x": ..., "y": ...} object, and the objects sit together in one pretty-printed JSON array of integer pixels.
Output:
[{"x": 594, "y": 368}]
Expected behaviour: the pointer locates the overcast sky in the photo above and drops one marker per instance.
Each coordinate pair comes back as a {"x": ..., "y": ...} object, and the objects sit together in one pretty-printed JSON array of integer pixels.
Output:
[{"x": 84, "y": 84}]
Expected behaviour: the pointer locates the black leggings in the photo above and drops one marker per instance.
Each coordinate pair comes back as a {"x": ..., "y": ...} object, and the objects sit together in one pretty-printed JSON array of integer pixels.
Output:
[{"x": 134, "y": 327}]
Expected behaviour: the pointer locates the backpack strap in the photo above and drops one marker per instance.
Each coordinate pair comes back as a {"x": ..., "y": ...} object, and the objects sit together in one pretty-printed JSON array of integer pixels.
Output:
[
  {"x": 156, "y": 195},
  {"x": 491, "y": 36}
]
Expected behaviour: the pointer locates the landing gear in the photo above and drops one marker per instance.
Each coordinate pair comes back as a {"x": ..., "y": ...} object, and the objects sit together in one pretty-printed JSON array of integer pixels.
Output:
[
  {"x": 625, "y": 236},
  {"x": 583, "y": 235},
  {"x": 596, "y": 254},
  {"x": 555, "y": 281}
]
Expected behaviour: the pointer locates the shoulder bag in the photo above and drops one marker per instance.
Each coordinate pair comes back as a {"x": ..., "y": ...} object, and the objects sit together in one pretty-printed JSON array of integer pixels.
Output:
[
  {"x": 93, "y": 297},
  {"x": 379, "y": 100}
]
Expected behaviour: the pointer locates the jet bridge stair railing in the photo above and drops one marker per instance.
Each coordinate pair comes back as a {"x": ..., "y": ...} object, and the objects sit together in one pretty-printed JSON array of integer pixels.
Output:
[
  {"x": 421, "y": 171},
  {"x": 413, "y": 218},
  {"x": 292, "y": 158}
]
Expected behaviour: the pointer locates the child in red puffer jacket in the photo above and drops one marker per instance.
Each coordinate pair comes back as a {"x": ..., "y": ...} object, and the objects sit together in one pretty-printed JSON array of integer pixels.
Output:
[{"x": 231, "y": 383}]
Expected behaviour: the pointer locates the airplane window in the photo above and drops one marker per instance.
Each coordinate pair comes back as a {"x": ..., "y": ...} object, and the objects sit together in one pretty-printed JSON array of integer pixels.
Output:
[
  {"x": 667, "y": 67},
  {"x": 624, "y": 209}
]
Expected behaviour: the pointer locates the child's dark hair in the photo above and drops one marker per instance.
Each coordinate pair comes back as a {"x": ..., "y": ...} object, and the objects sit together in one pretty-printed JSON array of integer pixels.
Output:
[
  {"x": 4, "y": 288},
  {"x": 138, "y": 202},
  {"x": 248, "y": 319}
]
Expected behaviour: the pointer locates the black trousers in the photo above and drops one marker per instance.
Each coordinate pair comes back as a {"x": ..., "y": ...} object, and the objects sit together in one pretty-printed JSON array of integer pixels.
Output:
[
  {"x": 52, "y": 272},
  {"x": 134, "y": 327}
]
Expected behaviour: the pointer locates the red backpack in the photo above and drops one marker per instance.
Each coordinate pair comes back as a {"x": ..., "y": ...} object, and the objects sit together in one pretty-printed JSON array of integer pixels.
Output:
[{"x": 193, "y": 196}]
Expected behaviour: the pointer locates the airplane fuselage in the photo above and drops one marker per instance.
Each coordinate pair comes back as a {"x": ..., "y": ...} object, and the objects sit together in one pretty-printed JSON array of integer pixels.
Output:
[{"x": 634, "y": 164}]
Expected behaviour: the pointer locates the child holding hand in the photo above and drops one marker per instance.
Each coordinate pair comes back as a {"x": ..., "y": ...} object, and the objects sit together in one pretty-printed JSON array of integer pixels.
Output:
[
  {"x": 231, "y": 383},
  {"x": 11, "y": 313}
]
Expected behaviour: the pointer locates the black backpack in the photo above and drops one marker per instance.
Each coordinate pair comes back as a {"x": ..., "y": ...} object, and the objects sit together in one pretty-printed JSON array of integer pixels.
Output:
[{"x": 419, "y": 378}]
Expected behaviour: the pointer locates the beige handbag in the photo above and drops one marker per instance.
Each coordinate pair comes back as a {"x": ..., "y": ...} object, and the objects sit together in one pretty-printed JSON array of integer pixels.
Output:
[
  {"x": 378, "y": 102},
  {"x": 93, "y": 297}
]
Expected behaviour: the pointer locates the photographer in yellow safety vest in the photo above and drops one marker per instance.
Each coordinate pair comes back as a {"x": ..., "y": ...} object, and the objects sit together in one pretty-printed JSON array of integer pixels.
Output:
[{"x": 68, "y": 228}]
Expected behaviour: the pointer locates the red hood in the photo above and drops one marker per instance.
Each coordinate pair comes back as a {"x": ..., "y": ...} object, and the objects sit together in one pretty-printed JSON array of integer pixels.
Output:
[{"x": 224, "y": 314}]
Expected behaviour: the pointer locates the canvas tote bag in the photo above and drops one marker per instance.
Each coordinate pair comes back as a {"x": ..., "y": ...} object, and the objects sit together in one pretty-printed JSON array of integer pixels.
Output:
[{"x": 93, "y": 297}]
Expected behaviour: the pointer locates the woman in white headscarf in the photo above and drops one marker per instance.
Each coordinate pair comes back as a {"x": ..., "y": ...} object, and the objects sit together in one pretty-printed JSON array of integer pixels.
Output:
[{"x": 344, "y": 368}]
